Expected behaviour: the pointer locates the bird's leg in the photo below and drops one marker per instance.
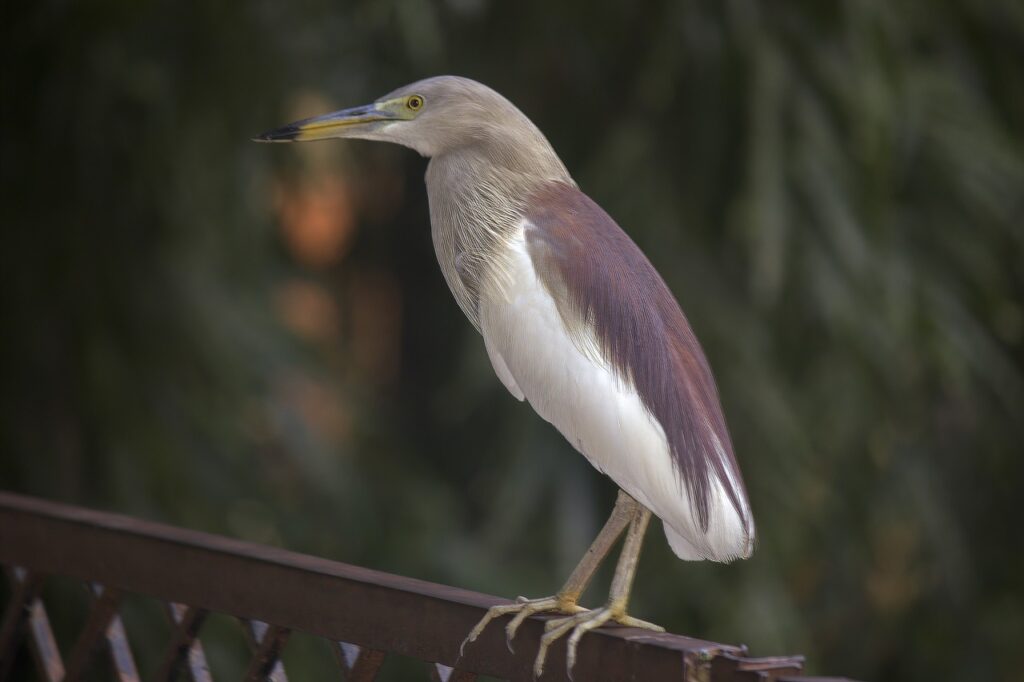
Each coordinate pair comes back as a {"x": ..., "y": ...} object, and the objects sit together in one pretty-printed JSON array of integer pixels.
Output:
[
  {"x": 614, "y": 610},
  {"x": 565, "y": 600}
]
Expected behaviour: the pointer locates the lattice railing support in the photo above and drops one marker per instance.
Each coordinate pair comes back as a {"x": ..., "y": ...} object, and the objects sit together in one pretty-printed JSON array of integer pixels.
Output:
[
  {"x": 363, "y": 615},
  {"x": 266, "y": 642},
  {"x": 26, "y": 612},
  {"x": 184, "y": 652}
]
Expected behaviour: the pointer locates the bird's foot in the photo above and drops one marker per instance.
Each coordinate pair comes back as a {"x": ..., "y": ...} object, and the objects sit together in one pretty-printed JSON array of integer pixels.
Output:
[
  {"x": 523, "y": 609},
  {"x": 580, "y": 624}
]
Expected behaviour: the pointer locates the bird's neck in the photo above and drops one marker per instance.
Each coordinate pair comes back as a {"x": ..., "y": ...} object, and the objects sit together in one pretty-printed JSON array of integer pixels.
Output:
[
  {"x": 491, "y": 175},
  {"x": 477, "y": 201}
]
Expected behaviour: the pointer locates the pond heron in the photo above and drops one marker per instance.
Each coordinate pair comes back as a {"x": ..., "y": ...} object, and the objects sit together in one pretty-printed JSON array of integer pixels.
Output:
[{"x": 577, "y": 322}]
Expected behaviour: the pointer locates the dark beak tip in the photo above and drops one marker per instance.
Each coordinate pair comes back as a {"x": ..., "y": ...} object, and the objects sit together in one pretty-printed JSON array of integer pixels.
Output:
[{"x": 286, "y": 134}]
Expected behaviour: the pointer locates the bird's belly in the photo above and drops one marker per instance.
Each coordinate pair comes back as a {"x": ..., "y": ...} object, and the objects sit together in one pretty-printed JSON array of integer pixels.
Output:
[{"x": 568, "y": 384}]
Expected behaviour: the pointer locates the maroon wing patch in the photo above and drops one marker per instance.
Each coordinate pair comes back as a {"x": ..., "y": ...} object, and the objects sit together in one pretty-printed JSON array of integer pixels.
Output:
[{"x": 602, "y": 281}]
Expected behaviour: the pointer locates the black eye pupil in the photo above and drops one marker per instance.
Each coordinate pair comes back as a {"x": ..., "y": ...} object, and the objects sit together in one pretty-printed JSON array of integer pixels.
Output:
[{"x": 415, "y": 102}]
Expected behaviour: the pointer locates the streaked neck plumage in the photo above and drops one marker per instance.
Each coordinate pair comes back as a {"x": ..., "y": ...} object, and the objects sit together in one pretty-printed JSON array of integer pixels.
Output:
[{"x": 477, "y": 195}]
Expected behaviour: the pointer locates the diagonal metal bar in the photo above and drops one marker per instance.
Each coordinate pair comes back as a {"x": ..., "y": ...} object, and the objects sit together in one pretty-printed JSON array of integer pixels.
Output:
[
  {"x": 24, "y": 592},
  {"x": 26, "y": 610},
  {"x": 42, "y": 643},
  {"x": 102, "y": 613},
  {"x": 357, "y": 664},
  {"x": 184, "y": 651},
  {"x": 266, "y": 642},
  {"x": 117, "y": 643},
  {"x": 439, "y": 672}
]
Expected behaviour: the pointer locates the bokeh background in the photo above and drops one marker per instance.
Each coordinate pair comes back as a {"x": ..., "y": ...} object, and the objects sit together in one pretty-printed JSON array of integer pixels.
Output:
[{"x": 256, "y": 340}]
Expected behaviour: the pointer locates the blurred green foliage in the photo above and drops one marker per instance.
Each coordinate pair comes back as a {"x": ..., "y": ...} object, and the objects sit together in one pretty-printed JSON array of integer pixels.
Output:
[{"x": 257, "y": 341}]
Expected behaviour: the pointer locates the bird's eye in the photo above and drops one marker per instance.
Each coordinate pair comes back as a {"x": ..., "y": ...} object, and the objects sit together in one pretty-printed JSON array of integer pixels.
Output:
[{"x": 415, "y": 102}]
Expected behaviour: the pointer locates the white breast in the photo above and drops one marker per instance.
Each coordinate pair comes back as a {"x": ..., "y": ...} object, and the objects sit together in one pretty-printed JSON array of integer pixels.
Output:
[{"x": 566, "y": 381}]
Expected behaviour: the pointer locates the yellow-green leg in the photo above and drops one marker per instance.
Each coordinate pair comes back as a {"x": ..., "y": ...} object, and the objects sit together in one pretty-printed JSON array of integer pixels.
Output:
[
  {"x": 565, "y": 600},
  {"x": 614, "y": 609}
]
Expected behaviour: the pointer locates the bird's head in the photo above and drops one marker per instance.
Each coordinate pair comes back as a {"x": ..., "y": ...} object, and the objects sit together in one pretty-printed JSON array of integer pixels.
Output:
[{"x": 432, "y": 116}]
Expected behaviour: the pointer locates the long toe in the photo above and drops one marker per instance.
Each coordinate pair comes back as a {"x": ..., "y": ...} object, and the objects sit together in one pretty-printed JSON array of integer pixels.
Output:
[
  {"x": 521, "y": 610},
  {"x": 579, "y": 625},
  {"x": 631, "y": 622},
  {"x": 533, "y": 606}
]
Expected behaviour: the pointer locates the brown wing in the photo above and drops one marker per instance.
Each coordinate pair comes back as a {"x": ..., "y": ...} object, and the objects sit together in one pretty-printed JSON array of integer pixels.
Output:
[{"x": 603, "y": 283}]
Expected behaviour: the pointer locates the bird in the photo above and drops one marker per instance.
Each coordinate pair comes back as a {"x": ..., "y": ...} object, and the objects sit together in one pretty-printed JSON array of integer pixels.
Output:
[{"x": 577, "y": 322}]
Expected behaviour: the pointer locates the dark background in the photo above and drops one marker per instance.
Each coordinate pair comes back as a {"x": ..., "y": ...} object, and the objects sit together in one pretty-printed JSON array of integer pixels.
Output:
[{"x": 256, "y": 340}]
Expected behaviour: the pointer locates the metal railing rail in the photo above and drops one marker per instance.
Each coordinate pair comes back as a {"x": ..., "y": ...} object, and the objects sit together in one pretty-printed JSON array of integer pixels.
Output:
[{"x": 364, "y": 614}]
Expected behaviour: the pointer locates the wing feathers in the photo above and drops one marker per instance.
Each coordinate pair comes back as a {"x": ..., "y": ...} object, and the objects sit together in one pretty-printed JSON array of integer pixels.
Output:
[{"x": 605, "y": 288}]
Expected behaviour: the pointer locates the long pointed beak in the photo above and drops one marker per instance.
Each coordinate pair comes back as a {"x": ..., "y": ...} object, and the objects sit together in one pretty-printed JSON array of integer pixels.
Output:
[{"x": 336, "y": 124}]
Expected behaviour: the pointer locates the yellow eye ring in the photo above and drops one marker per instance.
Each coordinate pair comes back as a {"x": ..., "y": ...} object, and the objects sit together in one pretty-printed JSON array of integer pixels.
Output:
[{"x": 415, "y": 102}]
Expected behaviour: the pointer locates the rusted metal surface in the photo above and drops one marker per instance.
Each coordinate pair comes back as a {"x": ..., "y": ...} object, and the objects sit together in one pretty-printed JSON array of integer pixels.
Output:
[
  {"x": 275, "y": 592},
  {"x": 728, "y": 666}
]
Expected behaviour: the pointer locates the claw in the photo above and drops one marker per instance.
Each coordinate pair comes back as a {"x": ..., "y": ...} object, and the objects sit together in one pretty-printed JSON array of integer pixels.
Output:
[
  {"x": 580, "y": 624},
  {"x": 523, "y": 609},
  {"x": 492, "y": 613}
]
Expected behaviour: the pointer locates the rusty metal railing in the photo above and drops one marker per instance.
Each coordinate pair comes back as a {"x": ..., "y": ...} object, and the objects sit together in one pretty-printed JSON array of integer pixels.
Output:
[{"x": 363, "y": 615}]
